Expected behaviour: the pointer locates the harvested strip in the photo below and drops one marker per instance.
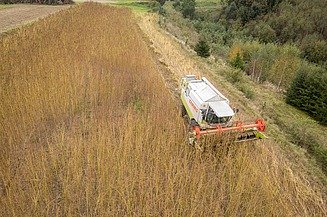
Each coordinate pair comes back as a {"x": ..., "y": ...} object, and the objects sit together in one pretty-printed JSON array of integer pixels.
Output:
[{"x": 22, "y": 14}]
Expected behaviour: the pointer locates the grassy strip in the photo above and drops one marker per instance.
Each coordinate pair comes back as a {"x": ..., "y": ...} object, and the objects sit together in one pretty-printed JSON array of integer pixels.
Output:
[
  {"x": 4, "y": 6},
  {"x": 137, "y": 6}
]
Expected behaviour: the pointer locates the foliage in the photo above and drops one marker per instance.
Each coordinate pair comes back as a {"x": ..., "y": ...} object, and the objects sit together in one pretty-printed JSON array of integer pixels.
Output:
[
  {"x": 314, "y": 49},
  {"x": 246, "y": 89},
  {"x": 283, "y": 21},
  {"x": 286, "y": 31},
  {"x": 157, "y": 7},
  {"x": 248, "y": 10},
  {"x": 235, "y": 76},
  {"x": 238, "y": 62},
  {"x": 235, "y": 56},
  {"x": 161, "y": 2},
  {"x": 188, "y": 8},
  {"x": 284, "y": 68},
  {"x": 277, "y": 64},
  {"x": 308, "y": 91},
  {"x": 177, "y": 4},
  {"x": 264, "y": 32},
  {"x": 236, "y": 49},
  {"x": 202, "y": 49}
]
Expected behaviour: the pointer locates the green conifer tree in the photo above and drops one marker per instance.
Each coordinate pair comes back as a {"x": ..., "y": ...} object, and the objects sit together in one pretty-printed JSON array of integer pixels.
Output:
[{"x": 202, "y": 49}]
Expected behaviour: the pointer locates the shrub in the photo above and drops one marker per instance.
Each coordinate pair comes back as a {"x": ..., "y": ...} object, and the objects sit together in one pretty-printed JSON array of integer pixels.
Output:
[
  {"x": 157, "y": 7},
  {"x": 248, "y": 92},
  {"x": 202, "y": 49},
  {"x": 314, "y": 49},
  {"x": 264, "y": 32},
  {"x": 188, "y": 8},
  {"x": 231, "y": 11},
  {"x": 177, "y": 4},
  {"x": 308, "y": 92},
  {"x": 238, "y": 62},
  {"x": 286, "y": 63},
  {"x": 161, "y": 2},
  {"x": 277, "y": 64},
  {"x": 237, "y": 48},
  {"x": 235, "y": 76}
]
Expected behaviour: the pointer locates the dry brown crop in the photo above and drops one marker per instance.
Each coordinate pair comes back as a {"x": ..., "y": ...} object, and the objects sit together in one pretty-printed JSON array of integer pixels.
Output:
[{"x": 87, "y": 127}]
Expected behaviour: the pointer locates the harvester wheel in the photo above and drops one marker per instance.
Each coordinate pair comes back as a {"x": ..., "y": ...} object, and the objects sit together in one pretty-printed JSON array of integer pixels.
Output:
[
  {"x": 183, "y": 111},
  {"x": 261, "y": 125},
  {"x": 193, "y": 123}
]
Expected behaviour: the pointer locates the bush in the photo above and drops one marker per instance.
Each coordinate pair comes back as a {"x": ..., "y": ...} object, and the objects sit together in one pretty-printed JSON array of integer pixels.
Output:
[
  {"x": 236, "y": 52},
  {"x": 155, "y": 6},
  {"x": 235, "y": 76},
  {"x": 314, "y": 49},
  {"x": 285, "y": 66},
  {"x": 308, "y": 92},
  {"x": 248, "y": 92},
  {"x": 188, "y": 8},
  {"x": 238, "y": 62},
  {"x": 264, "y": 32},
  {"x": 177, "y": 4},
  {"x": 202, "y": 49},
  {"x": 161, "y": 2},
  {"x": 277, "y": 64}
]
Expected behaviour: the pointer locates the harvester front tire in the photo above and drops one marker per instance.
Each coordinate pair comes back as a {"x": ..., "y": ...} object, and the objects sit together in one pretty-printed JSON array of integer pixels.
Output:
[
  {"x": 183, "y": 111},
  {"x": 193, "y": 123}
]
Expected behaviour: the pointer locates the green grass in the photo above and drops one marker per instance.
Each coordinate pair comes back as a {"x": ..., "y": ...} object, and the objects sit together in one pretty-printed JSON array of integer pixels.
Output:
[
  {"x": 137, "y": 6},
  {"x": 207, "y": 1},
  {"x": 207, "y": 4},
  {"x": 4, "y": 6}
]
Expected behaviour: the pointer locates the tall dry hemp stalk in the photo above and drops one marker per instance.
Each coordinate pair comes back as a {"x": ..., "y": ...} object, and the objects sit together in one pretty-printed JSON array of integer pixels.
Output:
[{"x": 94, "y": 132}]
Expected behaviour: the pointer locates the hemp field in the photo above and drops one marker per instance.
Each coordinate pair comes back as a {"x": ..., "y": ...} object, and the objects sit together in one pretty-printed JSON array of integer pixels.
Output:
[{"x": 88, "y": 127}]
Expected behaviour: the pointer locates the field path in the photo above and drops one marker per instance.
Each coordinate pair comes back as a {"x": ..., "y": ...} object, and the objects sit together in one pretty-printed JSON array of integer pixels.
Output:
[
  {"x": 175, "y": 59},
  {"x": 19, "y": 15}
]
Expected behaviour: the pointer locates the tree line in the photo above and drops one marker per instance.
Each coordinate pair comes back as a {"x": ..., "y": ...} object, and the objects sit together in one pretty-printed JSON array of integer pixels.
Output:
[
  {"x": 301, "y": 22},
  {"x": 289, "y": 48}
]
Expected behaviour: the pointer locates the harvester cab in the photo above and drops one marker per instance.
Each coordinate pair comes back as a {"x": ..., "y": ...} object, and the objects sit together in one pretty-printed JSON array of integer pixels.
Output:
[{"x": 208, "y": 112}]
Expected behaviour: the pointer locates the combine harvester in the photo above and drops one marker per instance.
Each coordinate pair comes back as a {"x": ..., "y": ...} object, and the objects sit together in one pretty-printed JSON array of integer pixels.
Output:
[{"x": 209, "y": 113}]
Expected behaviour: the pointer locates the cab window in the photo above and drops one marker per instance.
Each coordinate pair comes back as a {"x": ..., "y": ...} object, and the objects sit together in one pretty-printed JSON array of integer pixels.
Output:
[{"x": 213, "y": 119}]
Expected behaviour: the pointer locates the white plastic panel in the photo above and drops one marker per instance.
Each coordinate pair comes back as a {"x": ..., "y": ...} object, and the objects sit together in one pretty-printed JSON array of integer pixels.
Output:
[{"x": 221, "y": 108}]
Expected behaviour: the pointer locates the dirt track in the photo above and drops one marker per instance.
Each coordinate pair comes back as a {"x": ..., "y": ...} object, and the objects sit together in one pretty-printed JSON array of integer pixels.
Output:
[{"x": 22, "y": 14}]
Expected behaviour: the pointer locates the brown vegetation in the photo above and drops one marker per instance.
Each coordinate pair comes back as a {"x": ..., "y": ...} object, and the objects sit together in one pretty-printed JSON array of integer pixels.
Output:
[{"x": 87, "y": 127}]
